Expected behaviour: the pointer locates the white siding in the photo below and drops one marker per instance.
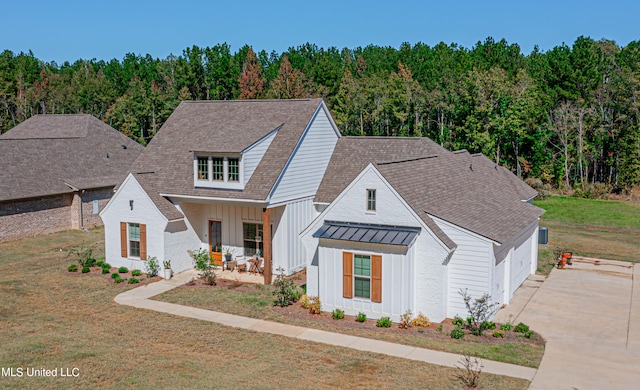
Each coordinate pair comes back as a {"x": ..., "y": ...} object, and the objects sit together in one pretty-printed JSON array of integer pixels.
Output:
[
  {"x": 520, "y": 266},
  {"x": 253, "y": 155},
  {"x": 309, "y": 161},
  {"x": 397, "y": 285},
  {"x": 292, "y": 219},
  {"x": 144, "y": 211},
  {"x": 413, "y": 278},
  {"x": 469, "y": 267},
  {"x": 179, "y": 238},
  {"x": 498, "y": 282}
]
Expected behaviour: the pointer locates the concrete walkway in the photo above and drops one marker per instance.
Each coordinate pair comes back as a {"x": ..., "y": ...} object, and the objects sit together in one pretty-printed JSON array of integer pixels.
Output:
[
  {"x": 589, "y": 314},
  {"x": 139, "y": 297}
]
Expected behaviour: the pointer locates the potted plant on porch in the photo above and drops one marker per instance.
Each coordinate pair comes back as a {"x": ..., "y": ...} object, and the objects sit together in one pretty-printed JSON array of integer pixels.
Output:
[
  {"x": 167, "y": 269},
  {"x": 228, "y": 253}
]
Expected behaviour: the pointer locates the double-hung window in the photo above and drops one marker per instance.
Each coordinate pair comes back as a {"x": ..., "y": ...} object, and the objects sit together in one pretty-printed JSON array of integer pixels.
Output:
[
  {"x": 134, "y": 240},
  {"x": 203, "y": 168},
  {"x": 362, "y": 276},
  {"x": 218, "y": 168},
  {"x": 234, "y": 169},
  {"x": 371, "y": 200}
]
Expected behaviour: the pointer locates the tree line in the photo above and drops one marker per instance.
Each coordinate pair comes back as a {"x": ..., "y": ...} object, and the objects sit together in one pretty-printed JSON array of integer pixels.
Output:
[{"x": 569, "y": 116}]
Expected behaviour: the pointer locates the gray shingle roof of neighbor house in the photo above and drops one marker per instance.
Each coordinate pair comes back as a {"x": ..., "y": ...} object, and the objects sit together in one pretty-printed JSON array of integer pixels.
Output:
[
  {"x": 226, "y": 127},
  {"x": 465, "y": 191},
  {"x": 53, "y": 154}
]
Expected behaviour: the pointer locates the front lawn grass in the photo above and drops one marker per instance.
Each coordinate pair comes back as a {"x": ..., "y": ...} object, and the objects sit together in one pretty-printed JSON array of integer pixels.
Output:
[
  {"x": 256, "y": 301},
  {"x": 50, "y": 319},
  {"x": 591, "y": 228}
]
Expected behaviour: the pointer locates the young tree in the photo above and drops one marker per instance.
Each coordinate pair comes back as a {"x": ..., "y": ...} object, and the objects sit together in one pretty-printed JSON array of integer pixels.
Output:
[{"x": 252, "y": 83}]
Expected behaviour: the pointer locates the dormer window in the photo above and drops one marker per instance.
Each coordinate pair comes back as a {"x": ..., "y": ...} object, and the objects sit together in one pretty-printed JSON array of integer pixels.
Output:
[{"x": 218, "y": 171}]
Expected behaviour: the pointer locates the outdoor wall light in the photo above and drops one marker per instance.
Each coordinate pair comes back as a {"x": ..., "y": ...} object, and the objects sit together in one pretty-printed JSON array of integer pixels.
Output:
[{"x": 131, "y": 204}]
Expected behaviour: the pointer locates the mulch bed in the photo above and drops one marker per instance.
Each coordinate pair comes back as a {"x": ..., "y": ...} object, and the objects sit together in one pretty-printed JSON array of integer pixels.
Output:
[
  {"x": 97, "y": 271},
  {"x": 349, "y": 322}
]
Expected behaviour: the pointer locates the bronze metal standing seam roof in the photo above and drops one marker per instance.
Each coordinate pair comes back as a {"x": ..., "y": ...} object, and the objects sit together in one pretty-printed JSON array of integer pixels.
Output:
[
  {"x": 50, "y": 154},
  {"x": 223, "y": 127},
  {"x": 368, "y": 232}
]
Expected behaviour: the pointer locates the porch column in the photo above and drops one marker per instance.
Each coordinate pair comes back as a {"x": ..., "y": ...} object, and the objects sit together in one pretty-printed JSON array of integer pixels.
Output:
[{"x": 266, "y": 243}]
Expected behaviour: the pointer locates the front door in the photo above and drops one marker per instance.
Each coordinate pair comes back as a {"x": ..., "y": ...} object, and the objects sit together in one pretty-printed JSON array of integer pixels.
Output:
[{"x": 215, "y": 242}]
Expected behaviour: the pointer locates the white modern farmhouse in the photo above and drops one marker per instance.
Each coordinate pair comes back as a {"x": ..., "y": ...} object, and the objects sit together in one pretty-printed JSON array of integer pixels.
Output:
[
  {"x": 382, "y": 225},
  {"x": 215, "y": 174}
]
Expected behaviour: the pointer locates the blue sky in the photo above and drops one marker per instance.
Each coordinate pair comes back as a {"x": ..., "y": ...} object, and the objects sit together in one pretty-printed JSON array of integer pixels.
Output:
[{"x": 71, "y": 30}]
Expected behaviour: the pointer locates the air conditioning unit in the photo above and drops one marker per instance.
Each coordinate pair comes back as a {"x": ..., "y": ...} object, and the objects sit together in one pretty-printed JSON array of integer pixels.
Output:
[{"x": 543, "y": 235}]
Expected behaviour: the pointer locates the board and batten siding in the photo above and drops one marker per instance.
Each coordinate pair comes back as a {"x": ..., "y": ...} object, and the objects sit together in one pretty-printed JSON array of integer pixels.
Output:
[
  {"x": 253, "y": 155},
  {"x": 144, "y": 212},
  {"x": 469, "y": 267},
  {"x": 293, "y": 218},
  {"x": 307, "y": 165},
  {"x": 397, "y": 280}
]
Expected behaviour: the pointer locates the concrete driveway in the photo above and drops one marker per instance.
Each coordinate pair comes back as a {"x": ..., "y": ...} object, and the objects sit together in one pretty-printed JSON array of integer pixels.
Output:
[{"x": 589, "y": 314}]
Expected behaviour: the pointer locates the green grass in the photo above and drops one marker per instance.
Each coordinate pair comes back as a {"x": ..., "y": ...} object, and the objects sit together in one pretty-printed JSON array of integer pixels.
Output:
[
  {"x": 591, "y": 228},
  {"x": 50, "y": 318},
  {"x": 256, "y": 301}
]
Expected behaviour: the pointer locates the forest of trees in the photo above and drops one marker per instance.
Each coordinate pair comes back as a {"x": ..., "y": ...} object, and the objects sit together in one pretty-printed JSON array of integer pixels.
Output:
[{"x": 569, "y": 116}]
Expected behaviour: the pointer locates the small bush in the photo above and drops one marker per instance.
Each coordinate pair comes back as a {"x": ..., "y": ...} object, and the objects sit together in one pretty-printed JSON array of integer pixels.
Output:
[
  {"x": 361, "y": 317},
  {"x": 457, "y": 321},
  {"x": 202, "y": 260},
  {"x": 72, "y": 268},
  {"x": 405, "y": 320},
  {"x": 499, "y": 333},
  {"x": 384, "y": 322},
  {"x": 469, "y": 372},
  {"x": 123, "y": 270},
  {"x": 439, "y": 328},
  {"x": 115, "y": 275},
  {"x": 304, "y": 301},
  {"x": 105, "y": 270},
  {"x": 421, "y": 321},
  {"x": 85, "y": 269},
  {"x": 489, "y": 325},
  {"x": 152, "y": 266},
  {"x": 315, "y": 306},
  {"x": 118, "y": 279},
  {"x": 284, "y": 289},
  {"x": 521, "y": 328},
  {"x": 136, "y": 272},
  {"x": 133, "y": 281},
  {"x": 506, "y": 326},
  {"x": 100, "y": 263},
  {"x": 337, "y": 314},
  {"x": 106, "y": 265},
  {"x": 457, "y": 333},
  {"x": 528, "y": 334},
  {"x": 480, "y": 310}
]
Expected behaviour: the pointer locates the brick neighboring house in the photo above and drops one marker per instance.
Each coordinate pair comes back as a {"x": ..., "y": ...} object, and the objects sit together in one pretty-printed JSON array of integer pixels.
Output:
[{"x": 58, "y": 171}]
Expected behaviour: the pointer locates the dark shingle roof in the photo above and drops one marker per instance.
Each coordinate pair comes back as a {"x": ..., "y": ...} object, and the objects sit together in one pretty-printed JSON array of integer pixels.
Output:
[
  {"x": 224, "y": 126},
  {"x": 352, "y": 154},
  {"x": 39, "y": 155},
  {"x": 465, "y": 191}
]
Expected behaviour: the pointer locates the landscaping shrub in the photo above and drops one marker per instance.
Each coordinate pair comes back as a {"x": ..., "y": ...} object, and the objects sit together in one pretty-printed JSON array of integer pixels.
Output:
[
  {"x": 521, "y": 328},
  {"x": 421, "y": 321},
  {"x": 405, "y": 320},
  {"x": 528, "y": 334},
  {"x": 202, "y": 260},
  {"x": 315, "y": 307},
  {"x": 83, "y": 255},
  {"x": 469, "y": 372},
  {"x": 85, "y": 269},
  {"x": 133, "y": 281},
  {"x": 123, "y": 270},
  {"x": 136, "y": 272},
  {"x": 118, "y": 279},
  {"x": 457, "y": 333},
  {"x": 152, "y": 266},
  {"x": 499, "y": 333},
  {"x": 490, "y": 325},
  {"x": 439, "y": 328},
  {"x": 304, "y": 301},
  {"x": 106, "y": 265},
  {"x": 115, "y": 275},
  {"x": 72, "y": 268},
  {"x": 337, "y": 314},
  {"x": 361, "y": 317},
  {"x": 506, "y": 326},
  {"x": 284, "y": 289},
  {"x": 457, "y": 321},
  {"x": 100, "y": 263},
  {"x": 105, "y": 270},
  {"x": 384, "y": 322},
  {"x": 480, "y": 310}
]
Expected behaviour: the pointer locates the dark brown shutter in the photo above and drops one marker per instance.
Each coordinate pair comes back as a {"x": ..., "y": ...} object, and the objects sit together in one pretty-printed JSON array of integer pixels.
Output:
[
  {"x": 376, "y": 278},
  {"x": 347, "y": 274},
  {"x": 123, "y": 239},
  {"x": 143, "y": 241}
]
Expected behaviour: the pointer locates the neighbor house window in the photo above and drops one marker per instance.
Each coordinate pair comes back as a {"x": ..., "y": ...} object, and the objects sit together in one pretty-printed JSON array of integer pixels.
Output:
[
  {"x": 234, "y": 169},
  {"x": 371, "y": 200},
  {"x": 134, "y": 240},
  {"x": 203, "y": 168},
  {"x": 218, "y": 168},
  {"x": 362, "y": 276}
]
